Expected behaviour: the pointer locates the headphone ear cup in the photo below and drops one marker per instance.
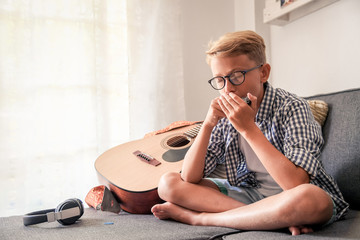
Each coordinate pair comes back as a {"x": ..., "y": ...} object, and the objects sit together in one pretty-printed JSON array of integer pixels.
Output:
[
  {"x": 70, "y": 203},
  {"x": 80, "y": 204}
]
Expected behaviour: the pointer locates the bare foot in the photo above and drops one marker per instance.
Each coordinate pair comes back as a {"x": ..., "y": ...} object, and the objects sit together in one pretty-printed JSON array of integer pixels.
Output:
[
  {"x": 169, "y": 210},
  {"x": 297, "y": 230}
]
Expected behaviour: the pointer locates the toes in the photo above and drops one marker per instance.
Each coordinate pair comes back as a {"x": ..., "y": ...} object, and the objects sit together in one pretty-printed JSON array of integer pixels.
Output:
[
  {"x": 297, "y": 230},
  {"x": 306, "y": 230},
  {"x": 294, "y": 230},
  {"x": 155, "y": 208},
  {"x": 159, "y": 211}
]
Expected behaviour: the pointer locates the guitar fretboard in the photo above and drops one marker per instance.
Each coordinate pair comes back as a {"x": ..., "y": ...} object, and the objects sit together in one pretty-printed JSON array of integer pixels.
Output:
[{"x": 192, "y": 133}]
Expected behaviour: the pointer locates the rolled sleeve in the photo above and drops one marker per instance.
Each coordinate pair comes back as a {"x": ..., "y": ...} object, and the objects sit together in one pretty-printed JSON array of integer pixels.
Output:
[
  {"x": 216, "y": 149},
  {"x": 303, "y": 138}
]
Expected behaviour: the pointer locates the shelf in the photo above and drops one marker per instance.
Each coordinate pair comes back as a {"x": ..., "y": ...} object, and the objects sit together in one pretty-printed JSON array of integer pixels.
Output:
[{"x": 282, "y": 15}]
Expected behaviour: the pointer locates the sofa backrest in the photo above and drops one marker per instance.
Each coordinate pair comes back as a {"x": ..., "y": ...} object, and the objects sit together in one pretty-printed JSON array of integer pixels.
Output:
[{"x": 341, "y": 152}]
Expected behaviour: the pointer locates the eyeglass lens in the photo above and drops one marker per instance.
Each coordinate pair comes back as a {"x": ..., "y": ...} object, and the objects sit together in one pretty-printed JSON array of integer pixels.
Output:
[{"x": 235, "y": 78}]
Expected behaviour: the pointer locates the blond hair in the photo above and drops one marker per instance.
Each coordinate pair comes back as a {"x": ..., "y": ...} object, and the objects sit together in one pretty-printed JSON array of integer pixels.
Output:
[{"x": 238, "y": 43}]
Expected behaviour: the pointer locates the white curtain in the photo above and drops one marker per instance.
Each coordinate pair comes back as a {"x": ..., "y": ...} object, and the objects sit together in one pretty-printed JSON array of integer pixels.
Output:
[
  {"x": 76, "y": 78},
  {"x": 155, "y": 64}
]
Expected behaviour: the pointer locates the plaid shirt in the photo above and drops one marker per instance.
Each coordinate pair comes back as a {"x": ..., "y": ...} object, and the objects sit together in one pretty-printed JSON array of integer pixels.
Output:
[{"x": 288, "y": 124}]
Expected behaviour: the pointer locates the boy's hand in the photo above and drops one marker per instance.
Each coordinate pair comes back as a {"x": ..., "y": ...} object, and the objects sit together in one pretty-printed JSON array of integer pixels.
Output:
[
  {"x": 215, "y": 113},
  {"x": 237, "y": 111}
]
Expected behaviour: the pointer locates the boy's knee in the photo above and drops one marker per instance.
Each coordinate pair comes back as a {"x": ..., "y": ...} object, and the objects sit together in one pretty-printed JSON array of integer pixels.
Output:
[
  {"x": 314, "y": 198},
  {"x": 167, "y": 185},
  {"x": 307, "y": 202}
]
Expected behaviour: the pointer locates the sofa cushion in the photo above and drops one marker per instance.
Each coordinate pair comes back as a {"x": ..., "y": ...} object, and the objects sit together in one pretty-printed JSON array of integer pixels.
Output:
[
  {"x": 340, "y": 154},
  {"x": 319, "y": 109}
]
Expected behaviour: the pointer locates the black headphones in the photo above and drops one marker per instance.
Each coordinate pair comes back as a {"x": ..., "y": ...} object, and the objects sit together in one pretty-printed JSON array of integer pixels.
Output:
[{"x": 68, "y": 212}]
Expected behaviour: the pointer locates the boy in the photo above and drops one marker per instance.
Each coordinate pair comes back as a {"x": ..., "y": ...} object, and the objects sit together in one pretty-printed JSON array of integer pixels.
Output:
[{"x": 253, "y": 166}]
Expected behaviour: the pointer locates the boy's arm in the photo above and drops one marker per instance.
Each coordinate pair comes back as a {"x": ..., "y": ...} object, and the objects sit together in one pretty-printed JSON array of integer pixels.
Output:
[
  {"x": 194, "y": 162},
  {"x": 283, "y": 171}
]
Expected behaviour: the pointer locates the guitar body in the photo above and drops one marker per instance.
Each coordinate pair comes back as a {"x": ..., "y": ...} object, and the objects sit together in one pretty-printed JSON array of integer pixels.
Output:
[{"x": 132, "y": 170}]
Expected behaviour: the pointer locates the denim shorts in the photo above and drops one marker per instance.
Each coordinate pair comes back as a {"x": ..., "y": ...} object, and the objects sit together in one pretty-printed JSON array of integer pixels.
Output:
[
  {"x": 241, "y": 194},
  {"x": 333, "y": 217},
  {"x": 251, "y": 195}
]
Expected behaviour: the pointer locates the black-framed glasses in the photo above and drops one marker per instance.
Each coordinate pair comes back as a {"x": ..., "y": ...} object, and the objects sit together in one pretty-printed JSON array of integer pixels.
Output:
[{"x": 236, "y": 78}]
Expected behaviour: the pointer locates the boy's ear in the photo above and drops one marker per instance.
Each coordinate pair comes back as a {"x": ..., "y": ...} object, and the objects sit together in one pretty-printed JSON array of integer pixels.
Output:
[{"x": 265, "y": 72}]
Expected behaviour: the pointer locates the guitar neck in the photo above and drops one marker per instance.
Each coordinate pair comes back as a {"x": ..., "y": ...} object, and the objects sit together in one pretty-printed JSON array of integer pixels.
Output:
[{"x": 193, "y": 132}]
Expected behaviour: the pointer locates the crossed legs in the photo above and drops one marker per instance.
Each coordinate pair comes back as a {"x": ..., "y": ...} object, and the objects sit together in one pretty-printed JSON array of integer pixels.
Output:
[{"x": 203, "y": 204}]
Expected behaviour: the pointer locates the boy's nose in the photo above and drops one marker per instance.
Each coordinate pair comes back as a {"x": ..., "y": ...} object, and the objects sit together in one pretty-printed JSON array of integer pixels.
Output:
[{"x": 229, "y": 87}]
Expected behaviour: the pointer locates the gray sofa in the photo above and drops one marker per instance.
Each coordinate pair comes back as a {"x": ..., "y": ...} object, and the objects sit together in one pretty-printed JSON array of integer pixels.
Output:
[{"x": 340, "y": 157}]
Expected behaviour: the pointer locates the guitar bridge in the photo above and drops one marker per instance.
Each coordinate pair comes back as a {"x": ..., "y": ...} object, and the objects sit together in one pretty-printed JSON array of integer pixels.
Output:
[{"x": 146, "y": 158}]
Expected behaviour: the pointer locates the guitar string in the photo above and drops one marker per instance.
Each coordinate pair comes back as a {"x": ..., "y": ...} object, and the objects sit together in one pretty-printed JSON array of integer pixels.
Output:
[{"x": 179, "y": 140}]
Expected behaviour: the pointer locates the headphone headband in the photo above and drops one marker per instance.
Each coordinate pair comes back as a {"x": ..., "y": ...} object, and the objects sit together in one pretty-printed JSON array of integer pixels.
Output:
[{"x": 66, "y": 213}]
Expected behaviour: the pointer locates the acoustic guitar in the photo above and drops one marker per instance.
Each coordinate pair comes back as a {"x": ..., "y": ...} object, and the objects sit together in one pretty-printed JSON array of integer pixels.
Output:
[{"x": 132, "y": 170}]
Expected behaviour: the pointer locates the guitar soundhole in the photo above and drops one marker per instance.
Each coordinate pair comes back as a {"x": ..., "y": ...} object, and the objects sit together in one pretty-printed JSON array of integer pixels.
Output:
[{"x": 178, "y": 141}]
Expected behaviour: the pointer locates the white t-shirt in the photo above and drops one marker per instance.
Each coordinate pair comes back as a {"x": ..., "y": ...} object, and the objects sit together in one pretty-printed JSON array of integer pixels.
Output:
[{"x": 268, "y": 185}]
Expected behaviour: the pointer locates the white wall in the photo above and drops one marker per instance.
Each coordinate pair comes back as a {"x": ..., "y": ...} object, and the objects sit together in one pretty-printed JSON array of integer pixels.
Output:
[
  {"x": 205, "y": 20},
  {"x": 318, "y": 53},
  {"x": 202, "y": 20}
]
